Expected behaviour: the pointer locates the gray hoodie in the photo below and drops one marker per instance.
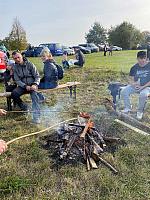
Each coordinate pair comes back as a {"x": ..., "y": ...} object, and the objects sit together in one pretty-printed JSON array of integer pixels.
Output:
[{"x": 26, "y": 74}]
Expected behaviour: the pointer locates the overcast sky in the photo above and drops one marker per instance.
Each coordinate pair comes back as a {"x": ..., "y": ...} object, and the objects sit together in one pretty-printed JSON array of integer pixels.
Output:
[{"x": 67, "y": 21}]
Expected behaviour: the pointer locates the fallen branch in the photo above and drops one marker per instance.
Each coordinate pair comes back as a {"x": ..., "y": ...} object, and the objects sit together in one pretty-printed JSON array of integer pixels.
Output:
[
  {"x": 108, "y": 165},
  {"x": 131, "y": 127}
]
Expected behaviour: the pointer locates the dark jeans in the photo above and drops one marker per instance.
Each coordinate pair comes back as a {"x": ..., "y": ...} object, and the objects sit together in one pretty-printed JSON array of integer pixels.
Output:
[
  {"x": 105, "y": 53},
  {"x": 65, "y": 64},
  {"x": 18, "y": 91},
  {"x": 79, "y": 64}
]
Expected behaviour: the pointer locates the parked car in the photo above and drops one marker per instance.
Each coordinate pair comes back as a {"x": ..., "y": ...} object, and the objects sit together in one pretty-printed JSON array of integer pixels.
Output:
[
  {"x": 70, "y": 51},
  {"x": 29, "y": 52},
  {"x": 37, "y": 51},
  {"x": 83, "y": 49},
  {"x": 55, "y": 48},
  {"x": 3, "y": 66},
  {"x": 116, "y": 48},
  {"x": 33, "y": 52},
  {"x": 90, "y": 46}
]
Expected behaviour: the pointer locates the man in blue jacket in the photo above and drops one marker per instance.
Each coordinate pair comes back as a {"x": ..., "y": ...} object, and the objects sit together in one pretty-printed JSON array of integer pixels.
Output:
[{"x": 27, "y": 79}]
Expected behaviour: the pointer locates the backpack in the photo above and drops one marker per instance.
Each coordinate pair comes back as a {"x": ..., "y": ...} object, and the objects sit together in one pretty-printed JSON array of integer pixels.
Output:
[{"x": 60, "y": 71}]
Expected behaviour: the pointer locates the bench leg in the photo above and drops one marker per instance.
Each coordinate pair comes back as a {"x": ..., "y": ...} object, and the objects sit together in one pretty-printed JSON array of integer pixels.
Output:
[
  {"x": 73, "y": 91},
  {"x": 9, "y": 104}
]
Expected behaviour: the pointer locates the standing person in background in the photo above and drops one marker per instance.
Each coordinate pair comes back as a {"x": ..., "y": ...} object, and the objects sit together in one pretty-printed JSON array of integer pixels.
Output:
[
  {"x": 27, "y": 79},
  {"x": 110, "y": 50},
  {"x": 105, "y": 50},
  {"x": 3, "y": 145},
  {"x": 79, "y": 57}
]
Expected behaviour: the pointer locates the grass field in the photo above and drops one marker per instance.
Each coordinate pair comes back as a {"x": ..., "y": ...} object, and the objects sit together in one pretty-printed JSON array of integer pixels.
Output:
[{"x": 29, "y": 172}]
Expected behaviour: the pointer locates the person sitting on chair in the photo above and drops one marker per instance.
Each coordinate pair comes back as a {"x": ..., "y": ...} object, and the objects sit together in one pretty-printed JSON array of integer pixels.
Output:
[{"x": 140, "y": 83}]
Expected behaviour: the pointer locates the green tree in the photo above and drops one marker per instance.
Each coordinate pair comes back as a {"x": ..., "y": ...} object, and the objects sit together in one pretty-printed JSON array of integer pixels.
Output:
[
  {"x": 146, "y": 38},
  {"x": 17, "y": 37},
  {"x": 96, "y": 34},
  {"x": 125, "y": 35}
]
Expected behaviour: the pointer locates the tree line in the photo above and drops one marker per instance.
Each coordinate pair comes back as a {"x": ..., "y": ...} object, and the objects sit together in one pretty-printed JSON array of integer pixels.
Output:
[
  {"x": 125, "y": 35},
  {"x": 16, "y": 39}
]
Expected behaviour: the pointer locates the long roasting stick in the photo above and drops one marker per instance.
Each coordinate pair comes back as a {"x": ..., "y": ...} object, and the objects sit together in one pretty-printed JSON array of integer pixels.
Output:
[
  {"x": 131, "y": 127},
  {"x": 35, "y": 133}
]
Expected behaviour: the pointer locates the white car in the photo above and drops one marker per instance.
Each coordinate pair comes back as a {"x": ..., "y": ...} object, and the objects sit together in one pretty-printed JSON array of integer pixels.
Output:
[
  {"x": 116, "y": 48},
  {"x": 69, "y": 51}
]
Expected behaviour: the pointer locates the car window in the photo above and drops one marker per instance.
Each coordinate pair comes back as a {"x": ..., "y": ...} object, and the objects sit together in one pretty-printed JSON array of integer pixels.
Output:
[
  {"x": 83, "y": 45},
  {"x": 92, "y": 45},
  {"x": 58, "y": 46}
]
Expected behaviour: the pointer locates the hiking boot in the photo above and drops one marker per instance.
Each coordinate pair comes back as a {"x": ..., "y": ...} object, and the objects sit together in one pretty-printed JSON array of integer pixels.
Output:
[{"x": 139, "y": 115}]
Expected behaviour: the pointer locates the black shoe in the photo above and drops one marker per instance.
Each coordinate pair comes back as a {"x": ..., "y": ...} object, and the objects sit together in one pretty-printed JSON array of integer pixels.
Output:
[{"x": 23, "y": 107}]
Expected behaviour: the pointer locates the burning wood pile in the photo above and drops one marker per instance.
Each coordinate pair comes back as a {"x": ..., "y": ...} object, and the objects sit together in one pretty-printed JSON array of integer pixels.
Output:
[{"x": 84, "y": 140}]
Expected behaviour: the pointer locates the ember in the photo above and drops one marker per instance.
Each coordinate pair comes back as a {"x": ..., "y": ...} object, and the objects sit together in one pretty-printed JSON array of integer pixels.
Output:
[{"x": 83, "y": 140}]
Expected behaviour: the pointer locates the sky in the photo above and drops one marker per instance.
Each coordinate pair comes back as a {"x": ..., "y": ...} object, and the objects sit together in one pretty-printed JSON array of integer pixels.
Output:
[{"x": 67, "y": 21}]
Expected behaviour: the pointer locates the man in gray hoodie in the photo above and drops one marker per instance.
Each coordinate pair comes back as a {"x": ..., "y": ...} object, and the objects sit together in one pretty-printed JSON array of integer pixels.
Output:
[{"x": 27, "y": 79}]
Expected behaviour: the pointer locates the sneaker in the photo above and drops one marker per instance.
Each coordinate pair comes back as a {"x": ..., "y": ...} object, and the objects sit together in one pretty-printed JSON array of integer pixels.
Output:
[
  {"x": 42, "y": 100},
  {"x": 139, "y": 115},
  {"x": 126, "y": 111}
]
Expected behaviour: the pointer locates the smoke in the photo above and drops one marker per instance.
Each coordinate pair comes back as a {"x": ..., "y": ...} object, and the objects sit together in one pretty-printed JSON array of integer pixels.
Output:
[{"x": 53, "y": 114}]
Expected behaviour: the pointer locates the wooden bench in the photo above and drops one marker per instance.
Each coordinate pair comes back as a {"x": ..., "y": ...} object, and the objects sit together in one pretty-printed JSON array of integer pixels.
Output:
[{"x": 70, "y": 85}]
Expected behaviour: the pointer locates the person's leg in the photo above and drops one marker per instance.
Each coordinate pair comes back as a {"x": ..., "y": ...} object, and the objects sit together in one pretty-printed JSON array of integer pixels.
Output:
[
  {"x": 35, "y": 107},
  {"x": 142, "y": 99},
  {"x": 15, "y": 95},
  {"x": 41, "y": 97},
  {"x": 76, "y": 63},
  {"x": 125, "y": 94}
]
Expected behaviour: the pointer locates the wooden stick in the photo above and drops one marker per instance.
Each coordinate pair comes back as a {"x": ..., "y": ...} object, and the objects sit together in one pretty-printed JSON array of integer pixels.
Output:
[
  {"x": 35, "y": 133},
  {"x": 44, "y": 111},
  {"x": 93, "y": 163},
  {"x": 108, "y": 165},
  {"x": 127, "y": 118},
  {"x": 131, "y": 127},
  {"x": 85, "y": 129}
]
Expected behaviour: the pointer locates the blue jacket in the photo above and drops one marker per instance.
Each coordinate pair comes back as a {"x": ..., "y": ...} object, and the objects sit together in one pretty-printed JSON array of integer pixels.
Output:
[{"x": 50, "y": 78}]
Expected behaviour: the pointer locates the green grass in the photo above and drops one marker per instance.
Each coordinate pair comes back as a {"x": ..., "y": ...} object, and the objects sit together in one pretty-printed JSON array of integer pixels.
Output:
[{"x": 28, "y": 170}]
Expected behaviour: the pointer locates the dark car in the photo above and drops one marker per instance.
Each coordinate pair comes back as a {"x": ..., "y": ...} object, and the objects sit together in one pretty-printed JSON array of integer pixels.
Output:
[
  {"x": 37, "y": 51},
  {"x": 83, "y": 49},
  {"x": 55, "y": 48},
  {"x": 33, "y": 52},
  {"x": 90, "y": 46}
]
